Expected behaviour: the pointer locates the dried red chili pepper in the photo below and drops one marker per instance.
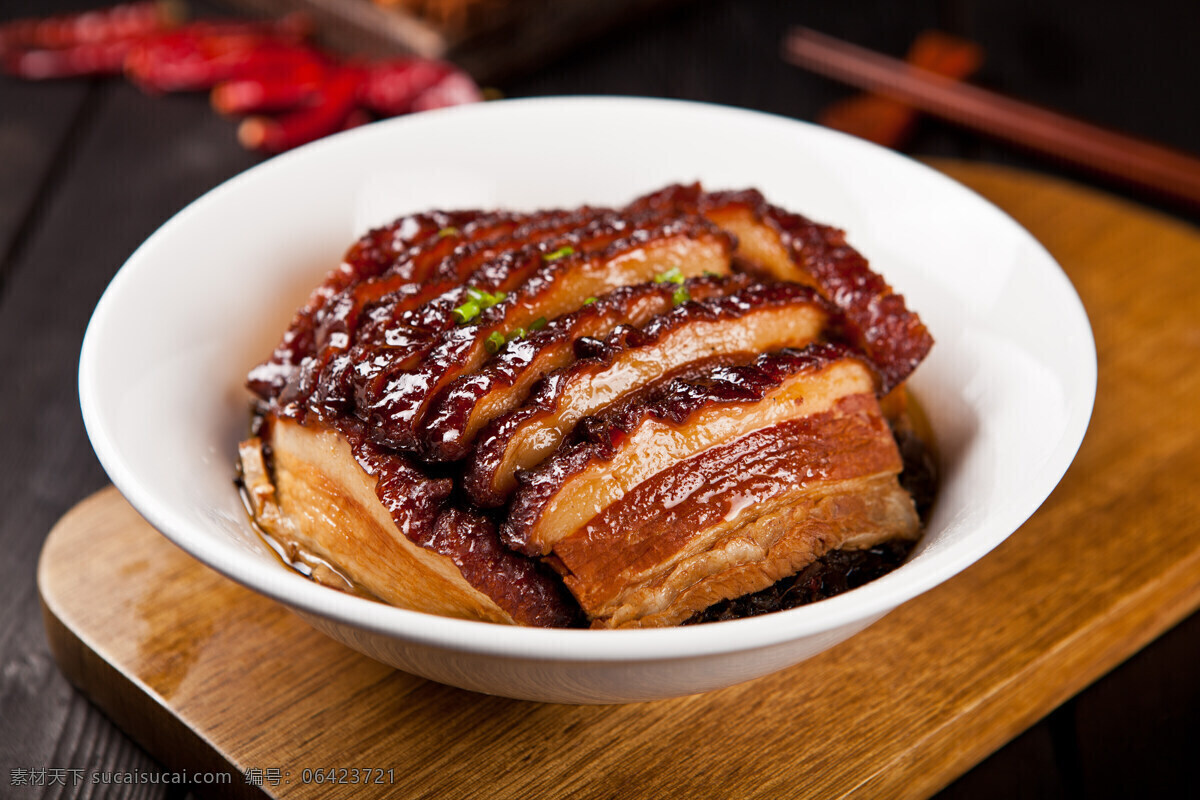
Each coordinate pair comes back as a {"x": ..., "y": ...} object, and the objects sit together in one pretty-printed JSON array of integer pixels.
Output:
[
  {"x": 93, "y": 58},
  {"x": 264, "y": 95},
  {"x": 390, "y": 87},
  {"x": 275, "y": 87},
  {"x": 252, "y": 67},
  {"x": 333, "y": 108},
  {"x": 202, "y": 54},
  {"x": 125, "y": 21}
]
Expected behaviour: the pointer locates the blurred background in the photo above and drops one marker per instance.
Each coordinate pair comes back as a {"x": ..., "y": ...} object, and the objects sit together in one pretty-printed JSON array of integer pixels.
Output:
[{"x": 93, "y": 163}]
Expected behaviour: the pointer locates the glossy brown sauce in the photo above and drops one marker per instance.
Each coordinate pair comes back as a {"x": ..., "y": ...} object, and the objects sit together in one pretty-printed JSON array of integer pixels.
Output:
[{"x": 296, "y": 557}]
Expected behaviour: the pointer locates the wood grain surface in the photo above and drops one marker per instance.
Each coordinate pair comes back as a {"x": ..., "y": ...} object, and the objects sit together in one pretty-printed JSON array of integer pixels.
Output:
[{"x": 204, "y": 673}]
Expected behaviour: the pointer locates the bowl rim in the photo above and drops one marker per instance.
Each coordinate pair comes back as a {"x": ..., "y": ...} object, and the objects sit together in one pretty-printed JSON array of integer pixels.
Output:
[{"x": 557, "y": 645}]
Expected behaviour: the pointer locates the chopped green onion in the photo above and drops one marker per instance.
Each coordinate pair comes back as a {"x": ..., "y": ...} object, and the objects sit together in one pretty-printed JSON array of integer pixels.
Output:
[
  {"x": 495, "y": 342},
  {"x": 517, "y": 333},
  {"x": 482, "y": 300},
  {"x": 537, "y": 324},
  {"x": 448, "y": 231},
  {"x": 708, "y": 273},
  {"x": 673, "y": 275},
  {"x": 561, "y": 252},
  {"x": 589, "y": 301},
  {"x": 467, "y": 312},
  {"x": 681, "y": 296}
]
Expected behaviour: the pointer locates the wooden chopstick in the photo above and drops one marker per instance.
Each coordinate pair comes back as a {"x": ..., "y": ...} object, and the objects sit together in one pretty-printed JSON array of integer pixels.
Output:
[
  {"x": 888, "y": 122},
  {"x": 1096, "y": 149}
]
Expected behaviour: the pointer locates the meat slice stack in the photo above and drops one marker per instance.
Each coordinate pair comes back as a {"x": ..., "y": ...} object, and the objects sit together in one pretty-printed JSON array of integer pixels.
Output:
[{"x": 612, "y": 417}]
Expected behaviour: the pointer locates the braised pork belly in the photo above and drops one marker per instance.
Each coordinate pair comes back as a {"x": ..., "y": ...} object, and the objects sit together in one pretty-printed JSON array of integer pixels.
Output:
[
  {"x": 503, "y": 383},
  {"x": 737, "y": 517},
  {"x": 643, "y": 416},
  {"x": 761, "y": 318}
]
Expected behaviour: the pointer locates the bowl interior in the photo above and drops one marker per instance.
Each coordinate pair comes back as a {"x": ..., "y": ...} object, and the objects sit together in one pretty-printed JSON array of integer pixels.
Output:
[{"x": 1008, "y": 386}]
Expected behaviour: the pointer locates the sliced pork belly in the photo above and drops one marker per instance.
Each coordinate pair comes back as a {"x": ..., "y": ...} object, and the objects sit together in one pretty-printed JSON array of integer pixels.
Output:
[
  {"x": 393, "y": 398},
  {"x": 400, "y": 267},
  {"x": 491, "y": 250},
  {"x": 411, "y": 261},
  {"x": 739, "y": 517},
  {"x": 405, "y": 318},
  {"x": 490, "y": 264},
  {"x": 683, "y": 419},
  {"x": 757, "y": 319},
  {"x": 791, "y": 247},
  {"x": 875, "y": 318},
  {"x": 618, "y": 416},
  {"x": 416, "y": 255},
  {"x": 374, "y": 253},
  {"x": 386, "y": 526},
  {"x": 392, "y": 247},
  {"x": 503, "y": 383}
]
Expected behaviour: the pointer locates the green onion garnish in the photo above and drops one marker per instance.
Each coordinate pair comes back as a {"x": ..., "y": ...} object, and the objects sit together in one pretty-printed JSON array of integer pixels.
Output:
[
  {"x": 589, "y": 301},
  {"x": 485, "y": 299},
  {"x": 466, "y": 312},
  {"x": 478, "y": 300},
  {"x": 561, "y": 252},
  {"x": 448, "y": 231},
  {"x": 495, "y": 342},
  {"x": 681, "y": 296},
  {"x": 517, "y": 333},
  {"x": 537, "y": 324},
  {"x": 708, "y": 273},
  {"x": 673, "y": 275}
]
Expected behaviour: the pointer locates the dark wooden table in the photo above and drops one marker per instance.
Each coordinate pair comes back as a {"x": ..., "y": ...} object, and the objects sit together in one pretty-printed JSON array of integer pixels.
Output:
[{"x": 88, "y": 169}]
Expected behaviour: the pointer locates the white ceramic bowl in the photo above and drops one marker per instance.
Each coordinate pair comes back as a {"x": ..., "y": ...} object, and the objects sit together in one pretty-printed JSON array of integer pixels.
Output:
[{"x": 1009, "y": 385}]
